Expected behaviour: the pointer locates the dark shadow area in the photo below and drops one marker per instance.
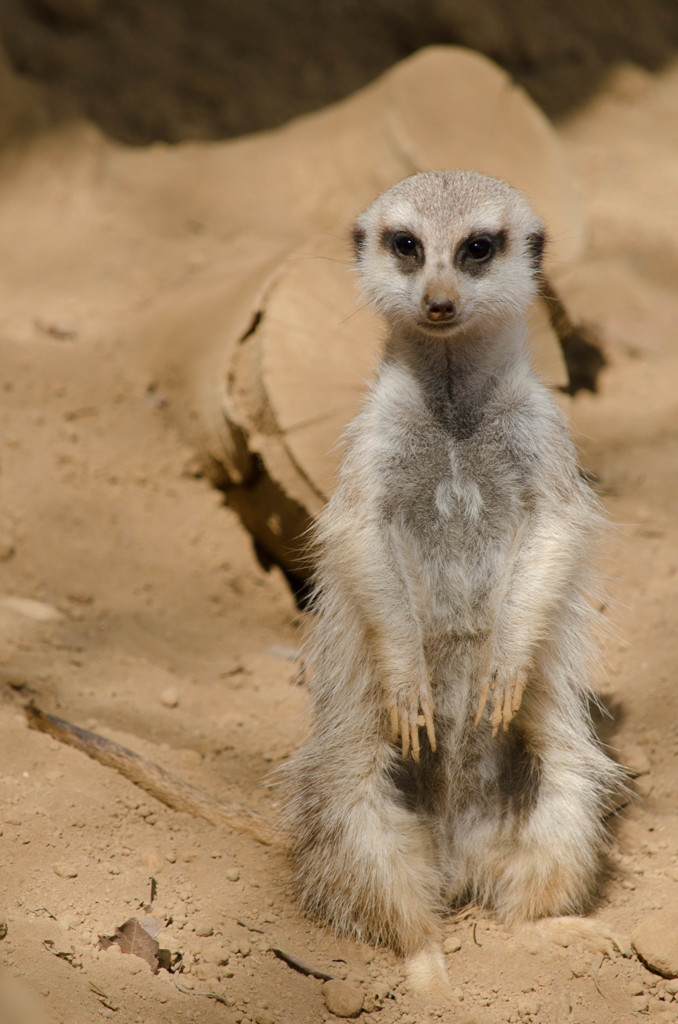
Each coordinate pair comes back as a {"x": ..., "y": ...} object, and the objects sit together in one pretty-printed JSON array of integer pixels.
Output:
[
  {"x": 208, "y": 69},
  {"x": 608, "y": 715}
]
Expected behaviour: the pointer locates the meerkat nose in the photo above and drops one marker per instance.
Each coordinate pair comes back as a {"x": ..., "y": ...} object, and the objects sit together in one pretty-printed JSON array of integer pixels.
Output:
[{"x": 438, "y": 309}]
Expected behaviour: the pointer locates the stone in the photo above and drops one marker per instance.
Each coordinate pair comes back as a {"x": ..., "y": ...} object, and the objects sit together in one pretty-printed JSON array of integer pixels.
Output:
[
  {"x": 451, "y": 945},
  {"x": 169, "y": 697},
  {"x": 342, "y": 998},
  {"x": 655, "y": 941},
  {"x": 64, "y": 870}
]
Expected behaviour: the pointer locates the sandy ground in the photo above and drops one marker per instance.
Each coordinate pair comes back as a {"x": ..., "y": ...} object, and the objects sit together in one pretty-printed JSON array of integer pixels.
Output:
[{"x": 156, "y": 626}]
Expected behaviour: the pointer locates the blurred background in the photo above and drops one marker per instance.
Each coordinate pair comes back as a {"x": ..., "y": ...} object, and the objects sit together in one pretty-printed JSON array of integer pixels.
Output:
[{"x": 203, "y": 69}]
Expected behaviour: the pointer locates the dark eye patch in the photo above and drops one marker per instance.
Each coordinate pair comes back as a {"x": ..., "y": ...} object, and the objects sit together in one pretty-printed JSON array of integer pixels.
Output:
[
  {"x": 406, "y": 246},
  {"x": 476, "y": 251},
  {"x": 535, "y": 246}
]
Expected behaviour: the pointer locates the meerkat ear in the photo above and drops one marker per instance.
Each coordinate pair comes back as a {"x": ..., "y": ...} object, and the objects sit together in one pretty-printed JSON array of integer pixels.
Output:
[
  {"x": 358, "y": 238},
  {"x": 536, "y": 241}
]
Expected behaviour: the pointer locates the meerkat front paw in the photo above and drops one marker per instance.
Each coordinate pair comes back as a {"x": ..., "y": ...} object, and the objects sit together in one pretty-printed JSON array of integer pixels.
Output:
[
  {"x": 507, "y": 689},
  {"x": 406, "y": 719}
]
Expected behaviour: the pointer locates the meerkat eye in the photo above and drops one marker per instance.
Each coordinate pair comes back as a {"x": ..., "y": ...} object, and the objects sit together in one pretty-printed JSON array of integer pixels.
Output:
[
  {"x": 404, "y": 244},
  {"x": 480, "y": 249}
]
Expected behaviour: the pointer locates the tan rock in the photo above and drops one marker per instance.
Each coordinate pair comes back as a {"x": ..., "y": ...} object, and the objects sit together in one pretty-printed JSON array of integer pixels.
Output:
[
  {"x": 342, "y": 998},
  {"x": 655, "y": 940}
]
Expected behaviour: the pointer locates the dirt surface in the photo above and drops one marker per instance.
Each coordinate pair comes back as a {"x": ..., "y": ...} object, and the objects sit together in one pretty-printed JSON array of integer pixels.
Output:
[{"x": 132, "y": 603}]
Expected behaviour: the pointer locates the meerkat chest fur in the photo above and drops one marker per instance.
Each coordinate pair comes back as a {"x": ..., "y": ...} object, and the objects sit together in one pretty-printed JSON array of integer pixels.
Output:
[{"x": 450, "y": 479}]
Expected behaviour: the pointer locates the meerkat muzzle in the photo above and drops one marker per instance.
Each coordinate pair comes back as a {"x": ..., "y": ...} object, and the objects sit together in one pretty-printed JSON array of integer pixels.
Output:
[{"x": 440, "y": 310}]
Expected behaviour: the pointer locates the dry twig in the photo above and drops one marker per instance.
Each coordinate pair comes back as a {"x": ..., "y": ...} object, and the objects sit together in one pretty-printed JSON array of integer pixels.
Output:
[
  {"x": 152, "y": 778},
  {"x": 300, "y": 966}
]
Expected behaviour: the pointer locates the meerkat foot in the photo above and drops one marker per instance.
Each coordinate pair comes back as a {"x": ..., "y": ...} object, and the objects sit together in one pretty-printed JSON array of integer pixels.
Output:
[
  {"x": 507, "y": 696},
  {"x": 427, "y": 975},
  {"x": 406, "y": 727}
]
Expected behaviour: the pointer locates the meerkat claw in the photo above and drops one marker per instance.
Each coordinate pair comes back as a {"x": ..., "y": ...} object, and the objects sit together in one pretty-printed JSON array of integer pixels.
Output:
[
  {"x": 415, "y": 743},
  {"x": 507, "y": 698},
  {"x": 430, "y": 730},
  {"x": 497, "y": 713},
  {"x": 405, "y": 732},
  {"x": 517, "y": 696}
]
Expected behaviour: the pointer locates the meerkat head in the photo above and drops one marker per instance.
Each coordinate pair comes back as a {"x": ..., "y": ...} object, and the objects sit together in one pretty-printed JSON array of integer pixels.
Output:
[{"x": 444, "y": 253}]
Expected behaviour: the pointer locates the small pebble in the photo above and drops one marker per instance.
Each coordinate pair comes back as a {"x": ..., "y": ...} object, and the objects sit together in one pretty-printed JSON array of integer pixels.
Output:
[
  {"x": 655, "y": 940},
  {"x": 342, "y": 998},
  {"x": 640, "y": 1003},
  {"x": 64, "y": 870},
  {"x": 169, "y": 697},
  {"x": 451, "y": 945},
  {"x": 204, "y": 929},
  {"x": 233, "y": 874}
]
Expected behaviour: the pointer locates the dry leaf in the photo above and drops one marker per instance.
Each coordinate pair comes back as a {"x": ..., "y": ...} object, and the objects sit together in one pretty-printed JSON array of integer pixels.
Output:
[
  {"x": 152, "y": 925},
  {"x": 133, "y": 938}
]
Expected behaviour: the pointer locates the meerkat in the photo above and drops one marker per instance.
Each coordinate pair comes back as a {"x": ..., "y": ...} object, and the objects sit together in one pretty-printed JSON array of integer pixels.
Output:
[{"x": 451, "y": 757}]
